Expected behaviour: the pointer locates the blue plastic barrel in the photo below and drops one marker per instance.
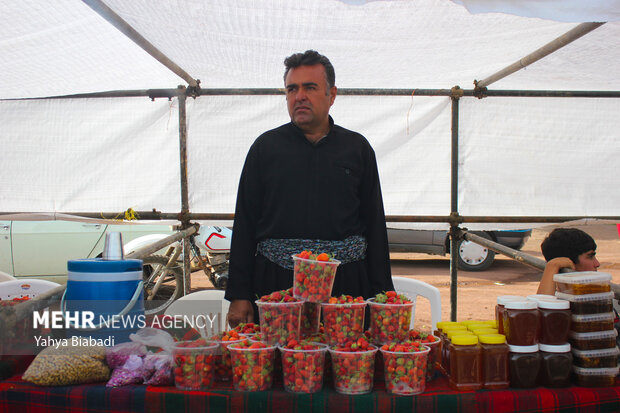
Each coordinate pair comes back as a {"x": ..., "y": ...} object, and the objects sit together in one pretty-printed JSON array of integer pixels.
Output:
[{"x": 113, "y": 291}]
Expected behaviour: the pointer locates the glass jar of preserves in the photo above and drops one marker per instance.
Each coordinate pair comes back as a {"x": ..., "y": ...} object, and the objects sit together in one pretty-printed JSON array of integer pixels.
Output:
[
  {"x": 521, "y": 322},
  {"x": 499, "y": 309},
  {"x": 555, "y": 321},
  {"x": 524, "y": 365},
  {"x": 445, "y": 345},
  {"x": 494, "y": 361},
  {"x": 465, "y": 362},
  {"x": 556, "y": 363}
]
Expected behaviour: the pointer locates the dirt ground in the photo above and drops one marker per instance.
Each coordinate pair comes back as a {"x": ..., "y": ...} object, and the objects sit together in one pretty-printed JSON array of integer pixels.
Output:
[{"x": 477, "y": 291}]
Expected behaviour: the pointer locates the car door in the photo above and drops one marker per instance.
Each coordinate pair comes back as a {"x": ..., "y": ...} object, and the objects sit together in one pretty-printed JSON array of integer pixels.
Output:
[
  {"x": 44, "y": 247},
  {"x": 6, "y": 261}
]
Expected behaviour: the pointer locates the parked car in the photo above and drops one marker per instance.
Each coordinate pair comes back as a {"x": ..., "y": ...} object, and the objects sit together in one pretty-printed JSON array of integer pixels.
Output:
[
  {"x": 472, "y": 256},
  {"x": 42, "y": 248}
]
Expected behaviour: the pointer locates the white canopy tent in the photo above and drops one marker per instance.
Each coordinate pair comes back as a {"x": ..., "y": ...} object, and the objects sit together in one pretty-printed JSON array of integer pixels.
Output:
[{"x": 518, "y": 156}]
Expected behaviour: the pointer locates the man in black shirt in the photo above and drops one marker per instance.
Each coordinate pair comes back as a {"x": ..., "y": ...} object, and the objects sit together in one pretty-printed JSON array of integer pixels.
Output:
[{"x": 308, "y": 184}]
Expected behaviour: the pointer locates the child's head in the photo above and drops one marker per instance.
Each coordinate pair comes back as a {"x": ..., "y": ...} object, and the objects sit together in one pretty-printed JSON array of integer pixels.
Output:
[{"x": 574, "y": 244}]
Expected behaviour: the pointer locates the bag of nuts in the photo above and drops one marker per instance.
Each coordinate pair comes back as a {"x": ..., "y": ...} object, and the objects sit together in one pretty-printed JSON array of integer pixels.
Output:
[{"x": 67, "y": 364}]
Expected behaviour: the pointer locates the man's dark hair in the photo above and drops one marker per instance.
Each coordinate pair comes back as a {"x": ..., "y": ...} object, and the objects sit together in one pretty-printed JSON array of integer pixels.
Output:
[
  {"x": 567, "y": 242},
  {"x": 311, "y": 58}
]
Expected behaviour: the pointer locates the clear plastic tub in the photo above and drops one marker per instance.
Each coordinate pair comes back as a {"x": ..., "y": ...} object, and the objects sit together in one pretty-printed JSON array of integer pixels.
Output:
[
  {"x": 279, "y": 322},
  {"x": 353, "y": 371},
  {"x": 312, "y": 279},
  {"x": 389, "y": 323},
  {"x": 303, "y": 370},
  {"x": 606, "y": 357},
  {"x": 194, "y": 365},
  {"x": 405, "y": 372},
  {"x": 252, "y": 367},
  {"x": 310, "y": 319},
  {"x": 584, "y": 323},
  {"x": 589, "y": 303},
  {"x": 223, "y": 365},
  {"x": 601, "y": 377},
  {"x": 593, "y": 341},
  {"x": 585, "y": 282},
  {"x": 343, "y": 322}
]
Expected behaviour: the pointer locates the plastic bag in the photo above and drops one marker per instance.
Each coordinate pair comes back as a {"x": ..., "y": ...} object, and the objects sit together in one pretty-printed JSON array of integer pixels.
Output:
[
  {"x": 118, "y": 355},
  {"x": 130, "y": 373},
  {"x": 67, "y": 364},
  {"x": 157, "y": 369},
  {"x": 153, "y": 337}
]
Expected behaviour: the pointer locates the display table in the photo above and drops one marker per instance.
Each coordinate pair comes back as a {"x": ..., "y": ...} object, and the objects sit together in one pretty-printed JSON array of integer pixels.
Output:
[{"x": 19, "y": 396}]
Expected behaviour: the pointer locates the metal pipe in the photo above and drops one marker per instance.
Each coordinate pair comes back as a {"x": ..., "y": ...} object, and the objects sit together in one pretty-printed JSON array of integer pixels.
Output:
[
  {"x": 171, "y": 93},
  {"x": 507, "y": 251},
  {"x": 568, "y": 37},
  {"x": 184, "y": 218},
  {"x": 156, "y": 215},
  {"x": 117, "y": 21},
  {"x": 454, "y": 206}
]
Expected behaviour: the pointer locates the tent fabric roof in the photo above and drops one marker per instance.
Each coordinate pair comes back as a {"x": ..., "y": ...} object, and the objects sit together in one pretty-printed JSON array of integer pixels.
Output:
[
  {"x": 517, "y": 156},
  {"x": 64, "y": 47}
]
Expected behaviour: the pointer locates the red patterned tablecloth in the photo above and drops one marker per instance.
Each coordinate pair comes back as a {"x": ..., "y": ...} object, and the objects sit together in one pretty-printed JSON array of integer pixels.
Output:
[{"x": 19, "y": 396}]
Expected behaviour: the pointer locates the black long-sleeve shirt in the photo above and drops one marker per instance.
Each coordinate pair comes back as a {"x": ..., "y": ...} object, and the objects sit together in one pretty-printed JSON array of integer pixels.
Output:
[{"x": 291, "y": 188}]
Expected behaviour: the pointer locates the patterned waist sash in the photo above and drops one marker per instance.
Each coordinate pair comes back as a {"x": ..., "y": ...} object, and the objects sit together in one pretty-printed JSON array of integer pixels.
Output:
[{"x": 279, "y": 251}]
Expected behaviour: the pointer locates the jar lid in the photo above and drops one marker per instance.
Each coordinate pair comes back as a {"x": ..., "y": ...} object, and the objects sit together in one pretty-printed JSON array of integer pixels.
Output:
[
  {"x": 603, "y": 352},
  {"x": 442, "y": 325},
  {"x": 491, "y": 323},
  {"x": 523, "y": 349},
  {"x": 502, "y": 299},
  {"x": 560, "y": 348},
  {"x": 454, "y": 327},
  {"x": 536, "y": 297},
  {"x": 522, "y": 304},
  {"x": 477, "y": 326},
  {"x": 452, "y": 333},
  {"x": 465, "y": 339},
  {"x": 598, "y": 371},
  {"x": 583, "y": 277},
  {"x": 469, "y": 322},
  {"x": 485, "y": 331},
  {"x": 554, "y": 304},
  {"x": 492, "y": 338},
  {"x": 594, "y": 335},
  {"x": 584, "y": 318},
  {"x": 608, "y": 296}
]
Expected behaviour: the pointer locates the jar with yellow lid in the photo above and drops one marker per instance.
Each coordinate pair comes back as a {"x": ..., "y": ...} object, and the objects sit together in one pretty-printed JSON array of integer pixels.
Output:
[
  {"x": 445, "y": 346},
  {"x": 485, "y": 330},
  {"x": 494, "y": 361},
  {"x": 465, "y": 362}
]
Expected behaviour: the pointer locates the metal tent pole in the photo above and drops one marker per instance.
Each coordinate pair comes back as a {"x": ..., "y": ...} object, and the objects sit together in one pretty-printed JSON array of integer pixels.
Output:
[
  {"x": 568, "y": 37},
  {"x": 454, "y": 201},
  {"x": 117, "y": 21},
  {"x": 184, "y": 215}
]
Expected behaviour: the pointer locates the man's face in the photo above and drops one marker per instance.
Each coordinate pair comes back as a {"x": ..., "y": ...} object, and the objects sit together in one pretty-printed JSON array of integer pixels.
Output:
[
  {"x": 587, "y": 261},
  {"x": 307, "y": 97}
]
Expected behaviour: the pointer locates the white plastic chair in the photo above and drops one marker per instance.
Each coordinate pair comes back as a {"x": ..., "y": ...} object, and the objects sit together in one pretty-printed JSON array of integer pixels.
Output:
[
  {"x": 6, "y": 277},
  {"x": 413, "y": 288},
  {"x": 194, "y": 304}
]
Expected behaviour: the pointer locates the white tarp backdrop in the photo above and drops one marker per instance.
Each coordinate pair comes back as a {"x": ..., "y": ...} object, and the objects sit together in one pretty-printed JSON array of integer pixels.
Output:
[{"x": 518, "y": 156}]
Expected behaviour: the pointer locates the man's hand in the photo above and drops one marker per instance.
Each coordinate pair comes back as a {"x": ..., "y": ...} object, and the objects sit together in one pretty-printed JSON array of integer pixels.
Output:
[
  {"x": 240, "y": 311},
  {"x": 547, "y": 285}
]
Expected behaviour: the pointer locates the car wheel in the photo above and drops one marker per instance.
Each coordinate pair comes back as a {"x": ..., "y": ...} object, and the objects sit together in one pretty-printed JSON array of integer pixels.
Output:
[
  {"x": 158, "y": 297},
  {"x": 475, "y": 257}
]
